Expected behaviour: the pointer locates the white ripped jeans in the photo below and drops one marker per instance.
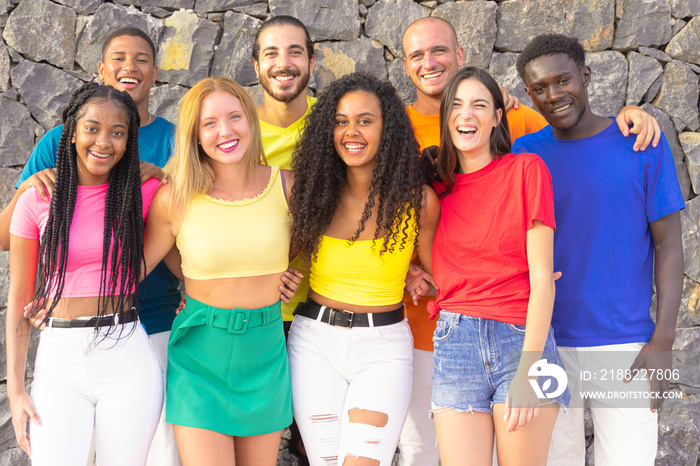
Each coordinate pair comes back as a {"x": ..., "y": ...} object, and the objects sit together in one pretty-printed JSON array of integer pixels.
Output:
[
  {"x": 335, "y": 370},
  {"x": 81, "y": 383}
]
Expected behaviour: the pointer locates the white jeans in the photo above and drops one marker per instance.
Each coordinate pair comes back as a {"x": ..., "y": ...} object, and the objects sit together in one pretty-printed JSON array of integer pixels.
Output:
[
  {"x": 335, "y": 370},
  {"x": 81, "y": 383},
  {"x": 418, "y": 442},
  {"x": 622, "y": 435}
]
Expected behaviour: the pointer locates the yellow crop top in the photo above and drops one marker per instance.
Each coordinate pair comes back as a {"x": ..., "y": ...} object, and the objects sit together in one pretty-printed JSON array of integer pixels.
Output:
[
  {"x": 226, "y": 239},
  {"x": 353, "y": 273}
]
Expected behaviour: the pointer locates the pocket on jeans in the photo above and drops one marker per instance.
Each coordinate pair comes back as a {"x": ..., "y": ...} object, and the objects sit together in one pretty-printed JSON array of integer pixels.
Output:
[
  {"x": 517, "y": 329},
  {"x": 443, "y": 330}
]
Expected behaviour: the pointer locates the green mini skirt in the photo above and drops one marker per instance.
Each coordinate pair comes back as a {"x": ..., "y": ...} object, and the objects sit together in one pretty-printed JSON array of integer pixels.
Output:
[{"x": 228, "y": 370}]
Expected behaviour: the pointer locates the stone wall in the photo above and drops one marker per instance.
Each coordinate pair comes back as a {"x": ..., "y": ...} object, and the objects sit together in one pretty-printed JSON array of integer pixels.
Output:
[{"x": 643, "y": 52}]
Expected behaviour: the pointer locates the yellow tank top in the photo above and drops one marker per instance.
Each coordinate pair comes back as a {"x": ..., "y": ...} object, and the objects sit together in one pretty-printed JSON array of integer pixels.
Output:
[
  {"x": 226, "y": 239},
  {"x": 354, "y": 273}
]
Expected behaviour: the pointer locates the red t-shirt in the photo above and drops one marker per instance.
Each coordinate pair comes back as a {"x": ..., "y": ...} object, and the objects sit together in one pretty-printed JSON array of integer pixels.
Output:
[{"x": 479, "y": 252}]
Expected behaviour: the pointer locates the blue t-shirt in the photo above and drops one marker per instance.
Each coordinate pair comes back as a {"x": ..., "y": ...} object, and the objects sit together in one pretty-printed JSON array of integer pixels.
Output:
[
  {"x": 605, "y": 197},
  {"x": 158, "y": 294}
]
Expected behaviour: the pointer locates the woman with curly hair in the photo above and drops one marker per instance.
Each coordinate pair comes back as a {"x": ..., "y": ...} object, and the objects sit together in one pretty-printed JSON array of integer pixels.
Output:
[
  {"x": 492, "y": 264},
  {"x": 359, "y": 206},
  {"x": 95, "y": 367},
  {"x": 228, "y": 386}
]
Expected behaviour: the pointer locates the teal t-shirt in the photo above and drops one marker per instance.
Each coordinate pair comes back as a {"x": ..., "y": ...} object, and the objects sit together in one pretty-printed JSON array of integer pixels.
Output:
[{"x": 159, "y": 296}]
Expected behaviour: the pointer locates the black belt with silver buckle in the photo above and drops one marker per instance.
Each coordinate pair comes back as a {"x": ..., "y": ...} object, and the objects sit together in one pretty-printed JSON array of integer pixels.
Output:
[
  {"x": 348, "y": 319},
  {"x": 98, "y": 321}
]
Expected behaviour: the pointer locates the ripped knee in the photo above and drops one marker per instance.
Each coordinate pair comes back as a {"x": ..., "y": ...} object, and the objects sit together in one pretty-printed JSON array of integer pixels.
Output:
[
  {"x": 352, "y": 460},
  {"x": 323, "y": 418},
  {"x": 365, "y": 416}
]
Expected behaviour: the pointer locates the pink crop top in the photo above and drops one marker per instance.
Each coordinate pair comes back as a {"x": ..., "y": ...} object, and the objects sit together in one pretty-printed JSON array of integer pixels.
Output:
[{"x": 84, "y": 263}]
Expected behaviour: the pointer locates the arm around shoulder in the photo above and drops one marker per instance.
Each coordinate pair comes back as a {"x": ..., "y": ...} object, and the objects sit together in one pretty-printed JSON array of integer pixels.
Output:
[{"x": 164, "y": 220}]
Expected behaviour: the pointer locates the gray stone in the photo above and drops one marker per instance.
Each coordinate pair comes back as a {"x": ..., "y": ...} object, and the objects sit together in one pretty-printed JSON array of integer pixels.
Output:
[
  {"x": 642, "y": 23},
  {"x": 171, "y": 4},
  {"x": 401, "y": 82},
  {"x": 690, "y": 142},
  {"x": 643, "y": 72},
  {"x": 82, "y": 7},
  {"x": 156, "y": 11},
  {"x": 679, "y": 94},
  {"x": 678, "y": 123},
  {"x": 690, "y": 219},
  {"x": 14, "y": 56},
  {"x": 165, "y": 101},
  {"x": 256, "y": 93},
  {"x": 689, "y": 313},
  {"x": 367, "y": 3},
  {"x": 678, "y": 24},
  {"x": 128, "y": 2},
  {"x": 233, "y": 57},
  {"x": 519, "y": 21},
  {"x": 33, "y": 334},
  {"x": 388, "y": 19},
  {"x": 208, "y": 6},
  {"x": 45, "y": 90},
  {"x": 655, "y": 53},
  {"x": 608, "y": 82},
  {"x": 685, "y": 8},
  {"x": 12, "y": 95},
  {"x": 654, "y": 89},
  {"x": 257, "y": 10},
  {"x": 42, "y": 30},
  {"x": 8, "y": 178},
  {"x": 325, "y": 19},
  {"x": 4, "y": 69},
  {"x": 18, "y": 132},
  {"x": 475, "y": 23},
  {"x": 671, "y": 135},
  {"x": 687, "y": 359},
  {"x": 685, "y": 46},
  {"x": 679, "y": 430},
  {"x": 102, "y": 23},
  {"x": 503, "y": 70},
  {"x": 15, "y": 456},
  {"x": 593, "y": 23},
  {"x": 336, "y": 59},
  {"x": 186, "y": 49}
]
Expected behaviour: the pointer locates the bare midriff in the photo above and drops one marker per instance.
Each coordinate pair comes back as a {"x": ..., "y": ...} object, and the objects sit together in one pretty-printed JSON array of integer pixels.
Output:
[
  {"x": 322, "y": 300},
  {"x": 239, "y": 292}
]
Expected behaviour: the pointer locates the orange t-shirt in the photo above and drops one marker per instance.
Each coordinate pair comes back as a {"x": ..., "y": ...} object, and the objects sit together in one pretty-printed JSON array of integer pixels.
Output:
[{"x": 521, "y": 121}]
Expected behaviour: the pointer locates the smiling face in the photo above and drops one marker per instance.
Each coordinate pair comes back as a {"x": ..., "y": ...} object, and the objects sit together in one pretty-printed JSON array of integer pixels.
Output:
[
  {"x": 431, "y": 55},
  {"x": 100, "y": 139},
  {"x": 128, "y": 65},
  {"x": 357, "y": 134},
  {"x": 558, "y": 89},
  {"x": 223, "y": 130},
  {"x": 284, "y": 66},
  {"x": 473, "y": 118}
]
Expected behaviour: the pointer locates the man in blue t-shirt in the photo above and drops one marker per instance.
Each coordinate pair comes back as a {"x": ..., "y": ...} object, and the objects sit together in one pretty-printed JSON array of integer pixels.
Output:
[
  {"x": 617, "y": 211},
  {"x": 128, "y": 64}
]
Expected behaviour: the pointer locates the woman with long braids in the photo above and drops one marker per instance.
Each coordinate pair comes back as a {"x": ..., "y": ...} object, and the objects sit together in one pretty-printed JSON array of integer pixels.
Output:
[
  {"x": 228, "y": 388},
  {"x": 360, "y": 207},
  {"x": 95, "y": 367}
]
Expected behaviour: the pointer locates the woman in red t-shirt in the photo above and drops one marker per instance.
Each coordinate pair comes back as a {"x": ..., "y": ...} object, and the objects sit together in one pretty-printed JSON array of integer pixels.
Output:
[{"x": 492, "y": 263}]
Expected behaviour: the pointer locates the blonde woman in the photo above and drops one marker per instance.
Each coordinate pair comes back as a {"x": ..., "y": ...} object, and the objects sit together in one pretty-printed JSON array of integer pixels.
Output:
[{"x": 228, "y": 391}]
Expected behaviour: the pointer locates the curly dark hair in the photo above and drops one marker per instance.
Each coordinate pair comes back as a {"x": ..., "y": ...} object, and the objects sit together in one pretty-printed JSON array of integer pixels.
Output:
[
  {"x": 397, "y": 179},
  {"x": 550, "y": 44},
  {"x": 122, "y": 250}
]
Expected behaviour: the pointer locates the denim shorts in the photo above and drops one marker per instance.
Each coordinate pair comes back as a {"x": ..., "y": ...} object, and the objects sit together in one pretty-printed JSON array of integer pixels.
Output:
[{"x": 475, "y": 360}]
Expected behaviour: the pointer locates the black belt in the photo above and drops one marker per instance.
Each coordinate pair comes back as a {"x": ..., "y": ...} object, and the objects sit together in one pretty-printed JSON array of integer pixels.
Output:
[
  {"x": 101, "y": 321},
  {"x": 348, "y": 319}
]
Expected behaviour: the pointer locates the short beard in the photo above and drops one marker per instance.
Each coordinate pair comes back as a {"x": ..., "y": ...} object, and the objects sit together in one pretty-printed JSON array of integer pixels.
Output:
[{"x": 289, "y": 95}]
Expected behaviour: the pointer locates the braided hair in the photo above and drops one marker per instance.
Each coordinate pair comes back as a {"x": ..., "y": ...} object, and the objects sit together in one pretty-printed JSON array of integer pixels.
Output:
[
  {"x": 122, "y": 250},
  {"x": 319, "y": 172}
]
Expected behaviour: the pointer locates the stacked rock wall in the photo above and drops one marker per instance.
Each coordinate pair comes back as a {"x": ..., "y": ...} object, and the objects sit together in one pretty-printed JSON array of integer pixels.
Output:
[{"x": 642, "y": 52}]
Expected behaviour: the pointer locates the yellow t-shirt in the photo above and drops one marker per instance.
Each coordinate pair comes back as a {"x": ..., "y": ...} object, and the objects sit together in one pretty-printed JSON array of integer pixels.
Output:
[
  {"x": 521, "y": 121},
  {"x": 279, "y": 144}
]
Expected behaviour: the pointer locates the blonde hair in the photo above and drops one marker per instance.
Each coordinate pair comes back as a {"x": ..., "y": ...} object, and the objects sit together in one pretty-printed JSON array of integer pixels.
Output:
[{"x": 189, "y": 171}]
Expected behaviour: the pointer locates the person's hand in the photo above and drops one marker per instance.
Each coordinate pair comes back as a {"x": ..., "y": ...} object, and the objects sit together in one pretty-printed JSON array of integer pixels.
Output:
[
  {"x": 291, "y": 279},
  {"x": 657, "y": 362},
  {"x": 148, "y": 171},
  {"x": 22, "y": 411},
  {"x": 43, "y": 181},
  {"x": 522, "y": 405},
  {"x": 36, "y": 318},
  {"x": 418, "y": 282},
  {"x": 509, "y": 100},
  {"x": 643, "y": 125},
  {"x": 183, "y": 301}
]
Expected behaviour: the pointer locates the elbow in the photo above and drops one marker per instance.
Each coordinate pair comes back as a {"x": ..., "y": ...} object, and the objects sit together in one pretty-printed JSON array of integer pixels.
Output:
[{"x": 4, "y": 244}]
